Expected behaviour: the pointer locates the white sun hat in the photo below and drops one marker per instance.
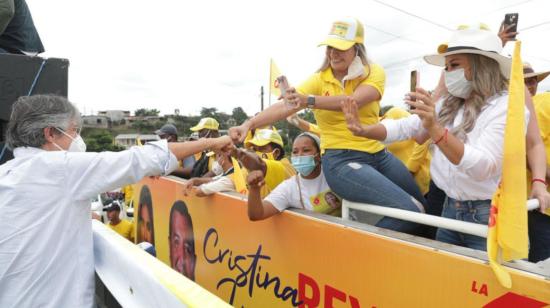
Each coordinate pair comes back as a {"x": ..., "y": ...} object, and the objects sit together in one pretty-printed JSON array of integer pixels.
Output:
[{"x": 476, "y": 39}]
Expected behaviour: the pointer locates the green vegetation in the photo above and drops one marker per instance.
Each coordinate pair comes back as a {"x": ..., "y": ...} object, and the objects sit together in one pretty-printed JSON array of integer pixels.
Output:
[{"x": 99, "y": 139}]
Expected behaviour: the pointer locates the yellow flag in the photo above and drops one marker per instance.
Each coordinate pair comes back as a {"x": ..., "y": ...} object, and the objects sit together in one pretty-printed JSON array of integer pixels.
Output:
[
  {"x": 507, "y": 239},
  {"x": 274, "y": 72}
]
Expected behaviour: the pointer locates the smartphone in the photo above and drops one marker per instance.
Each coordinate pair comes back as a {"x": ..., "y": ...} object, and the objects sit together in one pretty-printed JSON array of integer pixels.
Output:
[
  {"x": 511, "y": 19},
  {"x": 414, "y": 81},
  {"x": 282, "y": 84}
]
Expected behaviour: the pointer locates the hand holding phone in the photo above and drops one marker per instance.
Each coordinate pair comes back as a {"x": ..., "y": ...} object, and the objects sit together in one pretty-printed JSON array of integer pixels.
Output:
[{"x": 510, "y": 24}]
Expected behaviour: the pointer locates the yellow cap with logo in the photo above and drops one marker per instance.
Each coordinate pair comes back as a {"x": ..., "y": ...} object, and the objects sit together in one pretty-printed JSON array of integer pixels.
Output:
[
  {"x": 344, "y": 34},
  {"x": 265, "y": 136},
  {"x": 206, "y": 123}
]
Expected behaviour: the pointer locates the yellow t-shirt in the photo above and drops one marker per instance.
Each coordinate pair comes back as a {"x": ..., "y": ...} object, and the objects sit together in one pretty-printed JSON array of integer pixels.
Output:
[
  {"x": 332, "y": 123},
  {"x": 124, "y": 228},
  {"x": 401, "y": 149},
  {"x": 419, "y": 165},
  {"x": 128, "y": 191},
  {"x": 541, "y": 102},
  {"x": 416, "y": 157},
  {"x": 314, "y": 129},
  {"x": 277, "y": 171}
]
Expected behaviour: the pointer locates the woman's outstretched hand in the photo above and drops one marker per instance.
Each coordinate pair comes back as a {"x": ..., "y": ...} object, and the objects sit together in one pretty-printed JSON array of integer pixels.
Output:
[{"x": 351, "y": 113}]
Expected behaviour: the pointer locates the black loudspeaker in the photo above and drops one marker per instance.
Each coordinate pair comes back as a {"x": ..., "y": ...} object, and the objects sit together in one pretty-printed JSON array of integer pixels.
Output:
[{"x": 18, "y": 73}]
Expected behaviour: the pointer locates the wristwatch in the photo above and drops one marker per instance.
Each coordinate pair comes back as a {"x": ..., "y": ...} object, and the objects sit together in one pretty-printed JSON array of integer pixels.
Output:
[{"x": 310, "y": 101}]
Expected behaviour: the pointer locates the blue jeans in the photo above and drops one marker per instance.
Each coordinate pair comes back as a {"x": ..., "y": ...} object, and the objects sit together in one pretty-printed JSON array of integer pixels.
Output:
[
  {"x": 470, "y": 211},
  {"x": 377, "y": 178},
  {"x": 539, "y": 236}
]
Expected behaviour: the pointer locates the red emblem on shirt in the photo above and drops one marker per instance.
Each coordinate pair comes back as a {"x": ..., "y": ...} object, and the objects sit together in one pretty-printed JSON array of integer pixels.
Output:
[
  {"x": 316, "y": 201},
  {"x": 493, "y": 216}
]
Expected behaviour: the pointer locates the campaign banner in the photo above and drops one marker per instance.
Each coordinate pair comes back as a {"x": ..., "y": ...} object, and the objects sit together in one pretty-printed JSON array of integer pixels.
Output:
[{"x": 296, "y": 260}]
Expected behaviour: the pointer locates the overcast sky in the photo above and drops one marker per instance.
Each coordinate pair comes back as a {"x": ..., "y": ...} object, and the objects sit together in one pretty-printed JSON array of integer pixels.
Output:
[{"x": 170, "y": 54}]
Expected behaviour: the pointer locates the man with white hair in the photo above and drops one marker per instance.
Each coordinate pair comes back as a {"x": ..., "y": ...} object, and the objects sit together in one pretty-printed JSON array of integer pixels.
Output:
[{"x": 46, "y": 257}]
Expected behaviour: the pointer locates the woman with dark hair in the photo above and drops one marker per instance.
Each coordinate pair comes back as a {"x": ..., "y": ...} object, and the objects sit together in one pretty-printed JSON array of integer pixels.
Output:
[
  {"x": 145, "y": 226},
  {"x": 306, "y": 190}
]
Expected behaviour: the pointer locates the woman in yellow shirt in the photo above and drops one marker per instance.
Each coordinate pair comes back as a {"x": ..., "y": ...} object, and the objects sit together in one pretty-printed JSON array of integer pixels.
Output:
[{"x": 359, "y": 170}]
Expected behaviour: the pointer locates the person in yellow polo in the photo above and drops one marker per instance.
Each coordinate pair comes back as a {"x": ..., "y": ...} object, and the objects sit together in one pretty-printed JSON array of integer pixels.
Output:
[
  {"x": 120, "y": 226},
  {"x": 357, "y": 169},
  {"x": 416, "y": 157},
  {"x": 268, "y": 157},
  {"x": 539, "y": 223}
]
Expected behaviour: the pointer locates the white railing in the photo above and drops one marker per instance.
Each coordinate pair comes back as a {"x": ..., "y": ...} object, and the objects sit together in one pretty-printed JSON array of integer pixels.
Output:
[
  {"x": 137, "y": 279},
  {"x": 430, "y": 220}
]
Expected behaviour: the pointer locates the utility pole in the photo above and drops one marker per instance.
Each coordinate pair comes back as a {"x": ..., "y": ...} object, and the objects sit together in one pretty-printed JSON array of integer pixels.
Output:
[{"x": 262, "y": 97}]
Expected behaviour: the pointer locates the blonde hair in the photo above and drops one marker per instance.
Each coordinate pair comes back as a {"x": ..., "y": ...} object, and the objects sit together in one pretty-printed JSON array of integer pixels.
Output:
[
  {"x": 359, "y": 49},
  {"x": 487, "y": 80}
]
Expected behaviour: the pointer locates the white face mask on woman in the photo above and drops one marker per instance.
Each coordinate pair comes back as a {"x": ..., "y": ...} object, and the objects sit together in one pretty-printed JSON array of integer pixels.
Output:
[
  {"x": 77, "y": 143},
  {"x": 457, "y": 84},
  {"x": 355, "y": 69}
]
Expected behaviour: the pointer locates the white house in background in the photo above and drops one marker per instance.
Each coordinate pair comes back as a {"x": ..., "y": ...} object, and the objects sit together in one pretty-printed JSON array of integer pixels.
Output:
[
  {"x": 93, "y": 121},
  {"x": 128, "y": 140},
  {"x": 115, "y": 115}
]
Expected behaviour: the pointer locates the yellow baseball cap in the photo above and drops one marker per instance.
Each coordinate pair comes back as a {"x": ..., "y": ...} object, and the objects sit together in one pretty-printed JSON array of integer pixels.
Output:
[
  {"x": 344, "y": 34},
  {"x": 206, "y": 123},
  {"x": 265, "y": 136}
]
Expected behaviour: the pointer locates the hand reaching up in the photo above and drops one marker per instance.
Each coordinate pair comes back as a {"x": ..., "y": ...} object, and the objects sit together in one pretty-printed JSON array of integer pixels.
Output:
[{"x": 255, "y": 179}]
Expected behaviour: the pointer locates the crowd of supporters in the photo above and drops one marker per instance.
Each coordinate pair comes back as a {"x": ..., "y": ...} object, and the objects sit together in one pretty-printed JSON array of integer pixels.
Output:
[{"x": 441, "y": 157}]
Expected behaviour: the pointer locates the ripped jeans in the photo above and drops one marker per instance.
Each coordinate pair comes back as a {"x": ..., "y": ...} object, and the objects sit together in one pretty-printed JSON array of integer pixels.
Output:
[{"x": 377, "y": 178}]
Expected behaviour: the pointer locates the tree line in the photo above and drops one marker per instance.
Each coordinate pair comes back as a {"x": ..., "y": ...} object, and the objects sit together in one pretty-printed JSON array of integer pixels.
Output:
[{"x": 103, "y": 139}]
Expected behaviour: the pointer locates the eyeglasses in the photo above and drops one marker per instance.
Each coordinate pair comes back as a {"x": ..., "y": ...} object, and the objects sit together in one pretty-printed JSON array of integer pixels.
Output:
[{"x": 77, "y": 129}]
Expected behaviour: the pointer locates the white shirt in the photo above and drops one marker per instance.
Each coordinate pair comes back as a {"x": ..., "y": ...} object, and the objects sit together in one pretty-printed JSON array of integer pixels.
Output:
[
  {"x": 287, "y": 194},
  {"x": 46, "y": 249},
  {"x": 477, "y": 175},
  {"x": 219, "y": 183}
]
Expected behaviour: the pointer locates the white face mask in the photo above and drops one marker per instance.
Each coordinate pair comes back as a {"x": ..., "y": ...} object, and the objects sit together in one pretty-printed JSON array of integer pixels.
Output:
[
  {"x": 457, "y": 84},
  {"x": 77, "y": 143},
  {"x": 355, "y": 69},
  {"x": 217, "y": 168}
]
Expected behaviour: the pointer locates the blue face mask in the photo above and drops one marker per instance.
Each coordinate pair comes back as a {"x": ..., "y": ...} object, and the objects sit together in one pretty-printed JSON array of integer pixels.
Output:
[{"x": 304, "y": 164}]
